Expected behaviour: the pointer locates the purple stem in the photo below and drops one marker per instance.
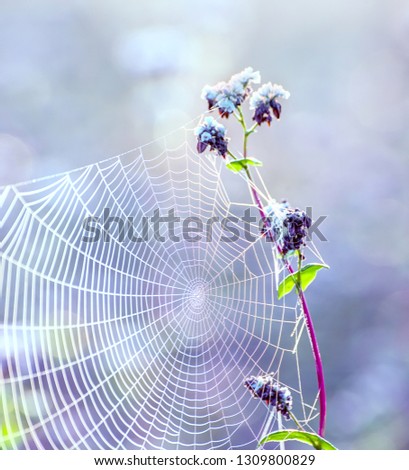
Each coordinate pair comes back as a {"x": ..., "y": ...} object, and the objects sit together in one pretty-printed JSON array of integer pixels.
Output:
[{"x": 308, "y": 321}]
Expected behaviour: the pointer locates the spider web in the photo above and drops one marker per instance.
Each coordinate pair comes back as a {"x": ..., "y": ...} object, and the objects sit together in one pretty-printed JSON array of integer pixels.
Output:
[{"x": 117, "y": 344}]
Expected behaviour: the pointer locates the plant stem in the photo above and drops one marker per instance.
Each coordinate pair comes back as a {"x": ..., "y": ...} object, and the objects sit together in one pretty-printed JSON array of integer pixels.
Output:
[
  {"x": 252, "y": 128},
  {"x": 245, "y": 131},
  {"x": 308, "y": 319},
  {"x": 296, "y": 422},
  {"x": 307, "y": 316},
  {"x": 231, "y": 154}
]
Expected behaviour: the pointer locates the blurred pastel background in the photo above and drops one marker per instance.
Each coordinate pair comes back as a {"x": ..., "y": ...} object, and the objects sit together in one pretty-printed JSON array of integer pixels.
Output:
[{"x": 83, "y": 81}]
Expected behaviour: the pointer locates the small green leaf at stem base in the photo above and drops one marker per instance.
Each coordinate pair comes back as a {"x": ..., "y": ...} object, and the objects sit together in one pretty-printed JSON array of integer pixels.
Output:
[
  {"x": 294, "y": 435},
  {"x": 238, "y": 165},
  {"x": 307, "y": 274}
]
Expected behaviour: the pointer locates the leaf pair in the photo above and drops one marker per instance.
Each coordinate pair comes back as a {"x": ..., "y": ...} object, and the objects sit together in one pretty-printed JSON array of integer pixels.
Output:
[
  {"x": 305, "y": 276},
  {"x": 237, "y": 165}
]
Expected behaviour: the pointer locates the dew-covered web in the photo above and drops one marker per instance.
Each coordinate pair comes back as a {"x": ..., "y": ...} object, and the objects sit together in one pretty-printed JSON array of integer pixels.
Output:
[{"x": 124, "y": 344}]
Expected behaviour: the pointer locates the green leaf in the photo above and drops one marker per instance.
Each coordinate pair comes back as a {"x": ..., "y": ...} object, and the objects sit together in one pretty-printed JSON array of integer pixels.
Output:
[
  {"x": 237, "y": 165},
  {"x": 286, "y": 286},
  {"x": 307, "y": 274},
  {"x": 293, "y": 435}
]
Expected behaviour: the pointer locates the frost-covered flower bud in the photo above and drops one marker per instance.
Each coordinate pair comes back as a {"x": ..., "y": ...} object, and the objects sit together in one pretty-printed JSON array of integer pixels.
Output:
[
  {"x": 213, "y": 134},
  {"x": 240, "y": 83},
  {"x": 296, "y": 225},
  {"x": 228, "y": 96},
  {"x": 290, "y": 226},
  {"x": 211, "y": 93},
  {"x": 264, "y": 101},
  {"x": 265, "y": 388}
]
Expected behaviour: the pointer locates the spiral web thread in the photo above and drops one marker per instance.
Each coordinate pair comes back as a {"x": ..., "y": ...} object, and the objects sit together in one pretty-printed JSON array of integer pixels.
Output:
[{"x": 120, "y": 344}]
